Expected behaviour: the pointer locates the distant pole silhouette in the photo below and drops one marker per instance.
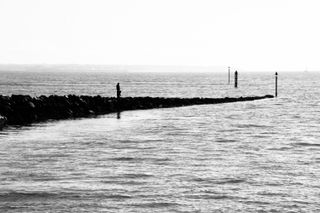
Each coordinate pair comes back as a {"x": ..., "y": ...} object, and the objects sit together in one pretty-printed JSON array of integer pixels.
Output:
[
  {"x": 276, "y": 84},
  {"x": 236, "y": 79},
  {"x": 228, "y": 75},
  {"x": 118, "y": 91}
]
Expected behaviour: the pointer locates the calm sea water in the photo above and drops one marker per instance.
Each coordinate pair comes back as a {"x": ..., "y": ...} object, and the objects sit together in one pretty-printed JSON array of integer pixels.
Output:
[{"x": 260, "y": 156}]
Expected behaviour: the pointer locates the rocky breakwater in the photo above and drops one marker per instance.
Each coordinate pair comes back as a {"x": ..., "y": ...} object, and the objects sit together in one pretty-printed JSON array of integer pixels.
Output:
[{"x": 22, "y": 109}]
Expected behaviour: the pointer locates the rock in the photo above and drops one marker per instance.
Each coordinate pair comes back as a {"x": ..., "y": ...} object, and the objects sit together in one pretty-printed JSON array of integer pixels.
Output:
[{"x": 3, "y": 121}]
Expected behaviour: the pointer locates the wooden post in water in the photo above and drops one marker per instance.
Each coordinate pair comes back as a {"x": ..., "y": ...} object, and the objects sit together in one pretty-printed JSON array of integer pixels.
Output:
[
  {"x": 236, "y": 79},
  {"x": 118, "y": 102},
  {"x": 276, "y": 84},
  {"x": 228, "y": 75}
]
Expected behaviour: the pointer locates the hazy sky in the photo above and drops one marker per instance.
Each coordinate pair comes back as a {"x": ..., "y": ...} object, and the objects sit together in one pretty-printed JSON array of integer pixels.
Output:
[{"x": 249, "y": 34}]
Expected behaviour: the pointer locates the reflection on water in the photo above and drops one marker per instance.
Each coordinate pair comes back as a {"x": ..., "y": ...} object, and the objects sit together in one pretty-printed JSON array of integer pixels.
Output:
[{"x": 235, "y": 157}]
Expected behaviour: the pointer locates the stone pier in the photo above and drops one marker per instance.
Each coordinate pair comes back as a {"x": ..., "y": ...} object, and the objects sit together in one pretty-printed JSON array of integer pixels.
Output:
[{"x": 24, "y": 109}]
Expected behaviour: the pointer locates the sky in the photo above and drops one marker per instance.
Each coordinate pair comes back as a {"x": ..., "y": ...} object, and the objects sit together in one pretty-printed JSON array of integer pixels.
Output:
[{"x": 247, "y": 34}]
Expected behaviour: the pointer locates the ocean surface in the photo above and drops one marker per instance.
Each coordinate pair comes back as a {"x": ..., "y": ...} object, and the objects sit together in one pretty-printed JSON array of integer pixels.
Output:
[{"x": 259, "y": 156}]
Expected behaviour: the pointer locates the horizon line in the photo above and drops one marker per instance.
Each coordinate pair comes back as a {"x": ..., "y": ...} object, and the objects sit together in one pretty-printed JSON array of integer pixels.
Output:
[{"x": 48, "y": 65}]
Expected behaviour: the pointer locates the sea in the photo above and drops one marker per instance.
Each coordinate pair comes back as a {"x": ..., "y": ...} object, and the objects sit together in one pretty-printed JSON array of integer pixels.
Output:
[{"x": 256, "y": 156}]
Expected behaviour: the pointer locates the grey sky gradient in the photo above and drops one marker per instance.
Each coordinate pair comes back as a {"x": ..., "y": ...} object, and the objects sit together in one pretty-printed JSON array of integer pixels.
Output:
[{"x": 249, "y": 34}]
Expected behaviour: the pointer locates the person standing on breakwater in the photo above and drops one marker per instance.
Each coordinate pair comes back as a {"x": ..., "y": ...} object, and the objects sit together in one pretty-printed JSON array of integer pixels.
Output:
[
  {"x": 118, "y": 91},
  {"x": 118, "y": 102}
]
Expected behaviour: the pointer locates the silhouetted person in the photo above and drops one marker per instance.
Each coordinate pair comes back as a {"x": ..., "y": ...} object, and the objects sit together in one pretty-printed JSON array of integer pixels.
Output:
[{"x": 118, "y": 91}]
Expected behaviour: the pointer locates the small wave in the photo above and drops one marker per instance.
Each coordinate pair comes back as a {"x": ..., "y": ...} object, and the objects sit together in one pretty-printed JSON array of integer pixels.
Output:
[
  {"x": 307, "y": 144},
  {"x": 128, "y": 141},
  {"x": 218, "y": 197},
  {"x": 126, "y": 179},
  {"x": 6, "y": 208},
  {"x": 256, "y": 202},
  {"x": 134, "y": 176},
  {"x": 302, "y": 202},
  {"x": 220, "y": 182},
  {"x": 210, "y": 197},
  {"x": 231, "y": 181},
  {"x": 133, "y": 183},
  {"x": 273, "y": 184},
  {"x": 261, "y": 136},
  {"x": 117, "y": 196},
  {"x": 127, "y": 176},
  {"x": 228, "y": 130},
  {"x": 155, "y": 205},
  {"x": 280, "y": 148},
  {"x": 221, "y": 140},
  {"x": 136, "y": 159},
  {"x": 162, "y": 161},
  {"x": 139, "y": 141},
  {"x": 124, "y": 159},
  {"x": 272, "y": 194},
  {"x": 26, "y": 195},
  {"x": 252, "y": 126},
  {"x": 44, "y": 179},
  {"x": 123, "y": 182}
]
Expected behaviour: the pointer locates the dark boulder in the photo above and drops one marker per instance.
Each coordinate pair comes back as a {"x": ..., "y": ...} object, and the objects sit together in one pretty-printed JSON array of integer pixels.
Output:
[{"x": 3, "y": 121}]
